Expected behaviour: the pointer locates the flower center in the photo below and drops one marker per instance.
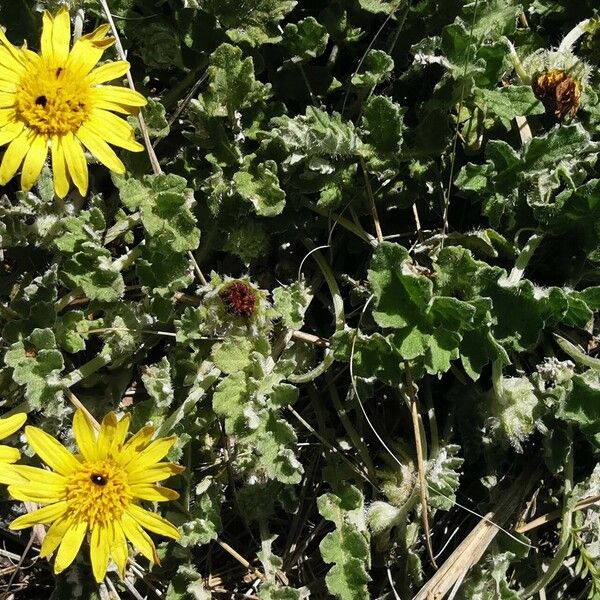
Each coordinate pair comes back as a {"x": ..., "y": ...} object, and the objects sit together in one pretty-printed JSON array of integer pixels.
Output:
[
  {"x": 51, "y": 101},
  {"x": 98, "y": 492}
]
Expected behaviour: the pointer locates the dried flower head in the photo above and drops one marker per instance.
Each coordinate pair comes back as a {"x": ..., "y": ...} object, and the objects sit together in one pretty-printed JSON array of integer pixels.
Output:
[
  {"x": 558, "y": 91},
  {"x": 558, "y": 76},
  {"x": 239, "y": 298}
]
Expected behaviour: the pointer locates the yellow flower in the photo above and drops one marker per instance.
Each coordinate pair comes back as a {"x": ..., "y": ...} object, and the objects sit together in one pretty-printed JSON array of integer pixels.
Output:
[
  {"x": 55, "y": 99},
  {"x": 97, "y": 492},
  {"x": 9, "y": 455}
]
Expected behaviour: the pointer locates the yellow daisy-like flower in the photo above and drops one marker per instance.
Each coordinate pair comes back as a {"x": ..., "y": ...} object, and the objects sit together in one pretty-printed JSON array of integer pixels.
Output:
[
  {"x": 55, "y": 99},
  {"x": 9, "y": 455},
  {"x": 97, "y": 492}
]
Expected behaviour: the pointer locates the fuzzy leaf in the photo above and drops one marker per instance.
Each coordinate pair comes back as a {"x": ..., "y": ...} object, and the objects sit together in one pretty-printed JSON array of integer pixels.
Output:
[
  {"x": 305, "y": 39},
  {"x": 376, "y": 68},
  {"x": 37, "y": 365},
  {"x": 347, "y": 547},
  {"x": 157, "y": 381},
  {"x": 253, "y": 21},
  {"x": 232, "y": 84},
  {"x": 259, "y": 185},
  {"x": 290, "y": 303}
]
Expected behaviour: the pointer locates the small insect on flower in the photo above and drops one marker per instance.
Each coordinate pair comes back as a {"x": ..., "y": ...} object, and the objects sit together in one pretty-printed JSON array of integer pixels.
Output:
[
  {"x": 9, "y": 455},
  {"x": 97, "y": 493},
  {"x": 56, "y": 100}
]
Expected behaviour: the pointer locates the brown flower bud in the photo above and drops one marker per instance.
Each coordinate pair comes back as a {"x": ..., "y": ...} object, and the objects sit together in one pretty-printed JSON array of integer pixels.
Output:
[
  {"x": 558, "y": 91},
  {"x": 239, "y": 299}
]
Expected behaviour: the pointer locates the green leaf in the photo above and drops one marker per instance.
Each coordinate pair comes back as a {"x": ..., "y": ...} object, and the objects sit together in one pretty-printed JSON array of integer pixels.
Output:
[
  {"x": 71, "y": 330},
  {"x": 92, "y": 270},
  {"x": 232, "y": 355},
  {"x": 165, "y": 204},
  {"x": 205, "y": 523},
  {"x": 304, "y": 40},
  {"x": 374, "y": 356},
  {"x": 157, "y": 381},
  {"x": 443, "y": 476},
  {"x": 291, "y": 302},
  {"x": 274, "y": 591},
  {"x": 253, "y": 21},
  {"x": 582, "y": 405},
  {"x": 187, "y": 584},
  {"x": 161, "y": 274},
  {"x": 258, "y": 184},
  {"x": 158, "y": 44},
  {"x": 386, "y": 7},
  {"x": 382, "y": 127},
  {"x": 155, "y": 119},
  {"x": 313, "y": 135},
  {"x": 558, "y": 147},
  {"x": 248, "y": 240},
  {"x": 376, "y": 68},
  {"x": 232, "y": 84},
  {"x": 493, "y": 19},
  {"x": 509, "y": 102},
  {"x": 37, "y": 365},
  {"x": 347, "y": 547},
  {"x": 513, "y": 410},
  {"x": 401, "y": 297}
]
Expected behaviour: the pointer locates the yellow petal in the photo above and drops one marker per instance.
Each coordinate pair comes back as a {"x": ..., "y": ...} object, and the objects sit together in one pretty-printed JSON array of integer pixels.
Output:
[
  {"x": 34, "y": 161},
  {"x": 56, "y": 36},
  {"x": 100, "y": 149},
  {"x": 119, "y": 95},
  {"x": 136, "y": 443},
  {"x": 7, "y": 100},
  {"x": 99, "y": 551},
  {"x": 153, "y": 493},
  {"x": 54, "y": 536},
  {"x": 9, "y": 132},
  {"x": 14, "y": 52},
  {"x": 107, "y": 72},
  {"x": 121, "y": 431},
  {"x": 118, "y": 547},
  {"x": 76, "y": 164},
  {"x": 44, "y": 476},
  {"x": 47, "y": 514},
  {"x": 157, "y": 472},
  {"x": 11, "y": 424},
  {"x": 152, "y": 522},
  {"x": 51, "y": 451},
  {"x": 106, "y": 437},
  {"x": 85, "y": 436},
  {"x": 69, "y": 547},
  {"x": 8, "y": 454},
  {"x": 11, "y": 63},
  {"x": 14, "y": 155},
  {"x": 88, "y": 50},
  {"x": 59, "y": 168},
  {"x": 8, "y": 86},
  {"x": 8, "y": 116},
  {"x": 139, "y": 538},
  {"x": 152, "y": 454},
  {"x": 9, "y": 475},
  {"x": 113, "y": 129},
  {"x": 34, "y": 491}
]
